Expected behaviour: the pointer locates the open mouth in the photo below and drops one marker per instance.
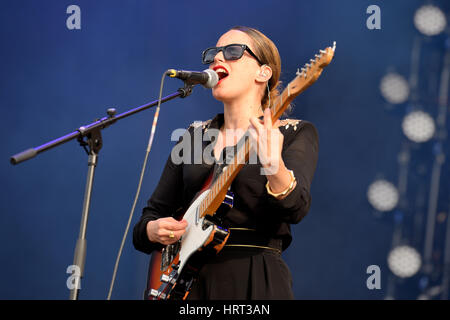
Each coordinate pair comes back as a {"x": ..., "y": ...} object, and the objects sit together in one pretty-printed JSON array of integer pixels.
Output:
[{"x": 221, "y": 72}]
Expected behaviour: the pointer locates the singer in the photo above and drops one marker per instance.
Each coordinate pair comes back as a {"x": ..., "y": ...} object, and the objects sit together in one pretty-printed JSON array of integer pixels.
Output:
[{"x": 250, "y": 265}]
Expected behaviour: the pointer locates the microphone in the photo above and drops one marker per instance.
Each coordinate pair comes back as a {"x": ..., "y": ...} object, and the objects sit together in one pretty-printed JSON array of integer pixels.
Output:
[{"x": 208, "y": 78}]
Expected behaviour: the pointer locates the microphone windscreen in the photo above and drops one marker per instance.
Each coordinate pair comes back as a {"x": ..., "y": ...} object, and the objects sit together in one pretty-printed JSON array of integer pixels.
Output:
[{"x": 213, "y": 78}]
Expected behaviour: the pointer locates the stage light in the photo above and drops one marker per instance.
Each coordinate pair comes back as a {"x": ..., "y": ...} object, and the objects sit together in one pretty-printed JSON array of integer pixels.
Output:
[
  {"x": 383, "y": 195},
  {"x": 430, "y": 20},
  {"x": 404, "y": 261},
  {"x": 418, "y": 126},
  {"x": 394, "y": 88}
]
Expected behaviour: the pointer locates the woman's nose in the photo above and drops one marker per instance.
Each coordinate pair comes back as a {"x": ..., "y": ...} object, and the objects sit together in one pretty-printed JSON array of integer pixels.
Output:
[{"x": 219, "y": 57}]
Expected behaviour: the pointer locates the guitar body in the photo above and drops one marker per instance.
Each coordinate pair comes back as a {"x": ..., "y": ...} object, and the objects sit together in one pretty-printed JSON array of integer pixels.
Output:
[{"x": 172, "y": 270}]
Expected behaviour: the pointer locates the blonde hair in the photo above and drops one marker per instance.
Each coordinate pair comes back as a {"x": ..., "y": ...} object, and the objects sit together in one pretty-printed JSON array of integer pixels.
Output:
[{"x": 268, "y": 54}]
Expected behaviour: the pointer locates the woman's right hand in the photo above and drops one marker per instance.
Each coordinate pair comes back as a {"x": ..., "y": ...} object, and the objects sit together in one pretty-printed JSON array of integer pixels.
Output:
[{"x": 166, "y": 230}]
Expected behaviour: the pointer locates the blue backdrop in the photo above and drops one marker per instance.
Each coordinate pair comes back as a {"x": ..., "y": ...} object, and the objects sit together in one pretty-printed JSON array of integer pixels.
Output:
[{"x": 53, "y": 80}]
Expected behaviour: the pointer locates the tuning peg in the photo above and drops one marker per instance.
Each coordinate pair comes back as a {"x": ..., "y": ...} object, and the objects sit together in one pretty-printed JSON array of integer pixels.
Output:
[
  {"x": 304, "y": 72},
  {"x": 307, "y": 65},
  {"x": 298, "y": 73},
  {"x": 312, "y": 61},
  {"x": 318, "y": 56},
  {"x": 322, "y": 51}
]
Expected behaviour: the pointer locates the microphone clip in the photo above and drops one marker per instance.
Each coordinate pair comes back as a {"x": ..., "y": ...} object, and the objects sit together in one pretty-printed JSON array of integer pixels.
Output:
[{"x": 186, "y": 90}]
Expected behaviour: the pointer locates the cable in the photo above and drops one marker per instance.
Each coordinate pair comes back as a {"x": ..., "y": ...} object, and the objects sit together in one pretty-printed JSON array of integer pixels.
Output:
[{"x": 149, "y": 146}]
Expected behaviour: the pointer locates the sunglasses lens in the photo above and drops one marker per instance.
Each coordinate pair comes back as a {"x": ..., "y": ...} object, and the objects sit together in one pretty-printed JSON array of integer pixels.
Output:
[
  {"x": 233, "y": 52},
  {"x": 208, "y": 55}
]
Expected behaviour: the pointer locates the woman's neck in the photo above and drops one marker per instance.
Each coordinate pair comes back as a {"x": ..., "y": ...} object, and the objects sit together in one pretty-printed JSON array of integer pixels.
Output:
[{"x": 237, "y": 114}]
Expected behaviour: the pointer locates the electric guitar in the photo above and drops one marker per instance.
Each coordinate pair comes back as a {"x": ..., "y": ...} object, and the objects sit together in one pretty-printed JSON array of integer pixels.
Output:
[{"x": 173, "y": 270}]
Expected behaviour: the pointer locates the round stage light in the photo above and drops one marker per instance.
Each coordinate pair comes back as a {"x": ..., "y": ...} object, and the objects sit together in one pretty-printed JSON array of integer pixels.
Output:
[
  {"x": 383, "y": 195},
  {"x": 418, "y": 126},
  {"x": 394, "y": 88},
  {"x": 404, "y": 261},
  {"x": 430, "y": 20}
]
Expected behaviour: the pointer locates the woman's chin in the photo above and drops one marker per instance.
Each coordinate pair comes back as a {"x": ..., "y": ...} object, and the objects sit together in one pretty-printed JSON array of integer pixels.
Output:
[{"x": 219, "y": 95}]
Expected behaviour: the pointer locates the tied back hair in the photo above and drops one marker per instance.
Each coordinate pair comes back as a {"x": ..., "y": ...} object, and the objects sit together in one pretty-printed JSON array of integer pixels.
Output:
[{"x": 267, "y": 52}]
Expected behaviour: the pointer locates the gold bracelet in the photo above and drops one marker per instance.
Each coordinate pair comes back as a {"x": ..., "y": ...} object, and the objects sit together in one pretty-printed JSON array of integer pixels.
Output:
[{"x": 285, "y": 192}]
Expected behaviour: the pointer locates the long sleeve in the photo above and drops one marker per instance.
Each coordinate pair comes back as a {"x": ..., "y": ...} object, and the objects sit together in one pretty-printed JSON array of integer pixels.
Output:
[
  {"x": 164, "y": 202},
  {"x": 180, "y": 180},
  {"x": 299, "y": 155}
]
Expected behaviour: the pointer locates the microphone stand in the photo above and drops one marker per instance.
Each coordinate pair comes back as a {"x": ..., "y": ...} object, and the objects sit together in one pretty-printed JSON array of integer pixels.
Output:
[{"x": 90, "y": 139}]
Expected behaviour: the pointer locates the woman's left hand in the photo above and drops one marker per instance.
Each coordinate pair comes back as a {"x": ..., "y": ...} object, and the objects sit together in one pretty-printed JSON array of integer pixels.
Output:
[{"x": 267, "y": 140}]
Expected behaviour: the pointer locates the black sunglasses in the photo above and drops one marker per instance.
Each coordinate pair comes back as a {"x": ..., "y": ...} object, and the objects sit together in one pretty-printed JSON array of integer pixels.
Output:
[{"x": 230, "y": 52}]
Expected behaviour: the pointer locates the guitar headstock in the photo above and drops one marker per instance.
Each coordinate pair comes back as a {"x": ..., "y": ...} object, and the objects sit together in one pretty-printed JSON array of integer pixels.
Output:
[
  {"x": 306, "y": 76},
  {"x": 311, "y": 71}
]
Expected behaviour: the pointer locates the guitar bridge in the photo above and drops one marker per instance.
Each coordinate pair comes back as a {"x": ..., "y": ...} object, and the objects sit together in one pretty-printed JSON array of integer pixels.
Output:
[{"x": 168, "y": 254}]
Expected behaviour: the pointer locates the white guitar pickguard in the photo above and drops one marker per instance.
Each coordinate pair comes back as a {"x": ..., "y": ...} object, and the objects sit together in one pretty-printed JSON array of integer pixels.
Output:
[{"x": 195, "y": 236}]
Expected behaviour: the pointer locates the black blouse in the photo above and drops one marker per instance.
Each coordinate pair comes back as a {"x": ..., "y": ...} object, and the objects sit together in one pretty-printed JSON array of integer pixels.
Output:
[{"x": 253, "y": 207}]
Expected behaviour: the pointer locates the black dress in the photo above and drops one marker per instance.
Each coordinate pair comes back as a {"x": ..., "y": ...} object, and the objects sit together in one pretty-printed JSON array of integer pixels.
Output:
[{"x": 240, "y": 272}]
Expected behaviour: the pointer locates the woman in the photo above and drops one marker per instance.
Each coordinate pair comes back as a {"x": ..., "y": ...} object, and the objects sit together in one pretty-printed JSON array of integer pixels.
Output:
[{"x": 250, "y": 265}]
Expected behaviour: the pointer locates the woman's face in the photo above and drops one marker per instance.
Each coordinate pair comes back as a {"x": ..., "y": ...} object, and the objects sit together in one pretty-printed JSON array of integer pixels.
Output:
[{"x": 241, "y": 73}]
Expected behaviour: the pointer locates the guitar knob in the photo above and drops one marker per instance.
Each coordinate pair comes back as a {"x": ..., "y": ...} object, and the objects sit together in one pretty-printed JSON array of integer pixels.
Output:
[
  {"x": 154, "y": 293},
  {"x": 165, "y": 278}
]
